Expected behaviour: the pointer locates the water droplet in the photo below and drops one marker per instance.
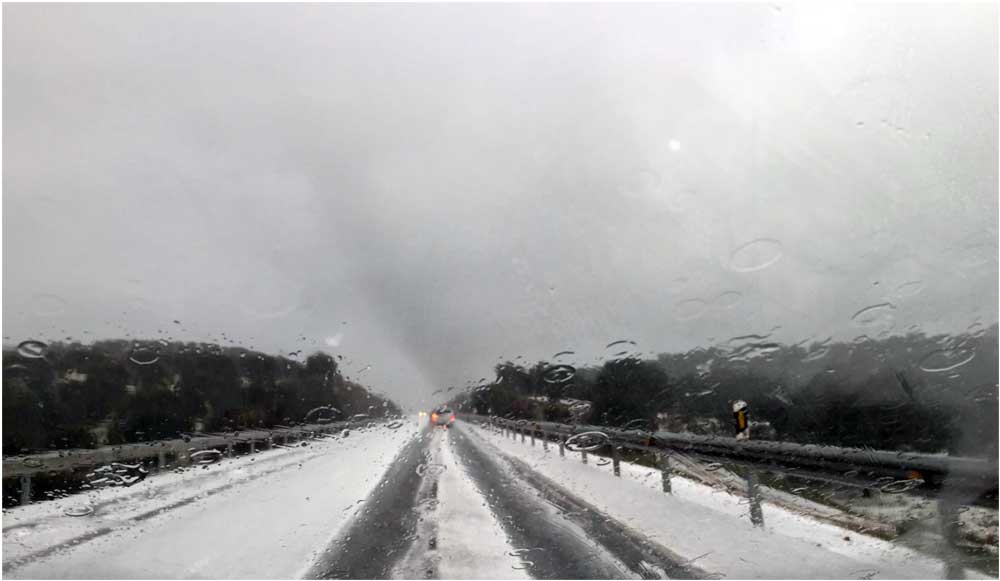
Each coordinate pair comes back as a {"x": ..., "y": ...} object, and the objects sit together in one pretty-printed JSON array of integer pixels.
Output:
[
  {"x": 395, "y": 425},
  {"x": 819, "y": 350},
  {"x": 586, "y": 441},
  {"x": 689, "y": 309},
  {"x": 621, "y": 349},
  {"x": 321, "y": 414},
  {"x": 946, "y": 359},
  {"x": 727, "y": 300},
  {"x": 522, "y": 565},
  {"x": 205, "y": 457},
  {"x": 79, "y": 510},
  {"x": 713, "y": 466},
  {"x": 431, "y": 469},
  {"x": 756, "y": 255},
  {"x": 901, "y": 486},
  {"x": 559, "y": 374},
  {"x": 144, "y": 356},
  {"x": 563, "y": 354},
  {"x": 874, "y": 315},
  {"x": 909, "y": 289},
  {"x": 603, "y": 462},
  {"x": 32, "y": 349}
]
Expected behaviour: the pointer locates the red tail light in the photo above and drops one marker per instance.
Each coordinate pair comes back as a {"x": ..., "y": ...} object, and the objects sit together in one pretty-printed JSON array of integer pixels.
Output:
[
  {"x": 452, "y": 418},
  {"x": 434, "y": 417}
]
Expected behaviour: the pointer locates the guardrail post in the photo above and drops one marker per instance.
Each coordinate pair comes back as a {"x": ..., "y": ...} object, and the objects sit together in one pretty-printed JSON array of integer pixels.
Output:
[
  {"x": 583, "y": 456},
  {"x": 25, "y": 489},
  {"x": 229, "y": 449},
  {"x": 253, "y": 446},
  {"x": 545, "y": 441},
  {"x": 522, "y": 434},
  {"x": 616, "y": 461},
  {"x": 161, "y": 460},
  {"x": 532, "y": 437},
  {"x": 562, "y": 448},
  {"x": 664, "y": 461},
  {"x": 753, "y": 493}
]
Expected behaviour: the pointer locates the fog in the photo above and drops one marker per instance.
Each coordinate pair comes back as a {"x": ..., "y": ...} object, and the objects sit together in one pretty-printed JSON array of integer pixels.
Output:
[{"x": 425, "y": 189}]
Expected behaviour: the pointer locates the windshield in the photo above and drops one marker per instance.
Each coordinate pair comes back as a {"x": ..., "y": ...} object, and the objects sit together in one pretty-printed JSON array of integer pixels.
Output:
[{"x": 501, "y": 291}]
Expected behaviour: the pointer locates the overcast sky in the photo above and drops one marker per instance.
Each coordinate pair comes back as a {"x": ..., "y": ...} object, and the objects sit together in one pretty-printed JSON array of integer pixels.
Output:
[{"x": 424, "y": 189}]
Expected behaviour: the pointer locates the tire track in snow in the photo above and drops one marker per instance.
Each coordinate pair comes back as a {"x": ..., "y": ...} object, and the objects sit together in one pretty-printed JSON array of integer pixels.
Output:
[
  {"x": 385, "y": 528},
  {"x": 641, "y": 557},
  {"x": 552, "y": 545}
]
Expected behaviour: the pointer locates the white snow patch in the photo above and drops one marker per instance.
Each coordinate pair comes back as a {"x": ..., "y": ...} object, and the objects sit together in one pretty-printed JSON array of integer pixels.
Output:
[
  {"x": 283, "y": 508},
  {"x": 712, "y": 526}
]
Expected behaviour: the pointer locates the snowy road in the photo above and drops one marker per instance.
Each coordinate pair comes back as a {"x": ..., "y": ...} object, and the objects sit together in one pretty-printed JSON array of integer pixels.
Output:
[
  {"x": 449, "y": 508},
  {"x": 416, "y": 502}
]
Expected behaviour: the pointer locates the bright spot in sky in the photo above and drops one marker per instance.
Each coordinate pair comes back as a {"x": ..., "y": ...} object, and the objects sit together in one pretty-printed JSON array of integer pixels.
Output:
[
  {"x": 335, "y": 340},
  {"x": 674, "y": 145}
]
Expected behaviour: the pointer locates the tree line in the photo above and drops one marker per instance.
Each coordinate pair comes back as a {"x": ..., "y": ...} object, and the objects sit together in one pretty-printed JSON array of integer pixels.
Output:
[
  {"x": 910, "y": 392},
  {"x": 112, "y": 392}
]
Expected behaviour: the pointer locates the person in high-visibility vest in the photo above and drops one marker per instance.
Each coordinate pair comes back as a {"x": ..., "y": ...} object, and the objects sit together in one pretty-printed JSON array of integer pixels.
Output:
[{"x": 741, "y": 412}]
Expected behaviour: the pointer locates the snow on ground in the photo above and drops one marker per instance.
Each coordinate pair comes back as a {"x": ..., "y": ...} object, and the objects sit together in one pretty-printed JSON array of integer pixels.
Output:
[
  {"x": 265, "y": 515},
  {"x": 471, "y": 542},
  {"x": 711, "y": 527}
]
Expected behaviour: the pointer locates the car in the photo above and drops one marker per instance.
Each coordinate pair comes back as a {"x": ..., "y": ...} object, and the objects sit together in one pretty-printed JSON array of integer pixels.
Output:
[{"x": 442, "y": 417}]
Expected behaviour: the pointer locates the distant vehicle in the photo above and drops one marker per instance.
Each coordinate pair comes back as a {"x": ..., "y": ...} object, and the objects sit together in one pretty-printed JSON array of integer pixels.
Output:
[{"x": 442, "y": 417}]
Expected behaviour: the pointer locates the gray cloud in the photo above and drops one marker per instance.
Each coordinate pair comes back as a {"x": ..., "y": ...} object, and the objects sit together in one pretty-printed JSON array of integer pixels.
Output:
[{"x": 461, "y": 182}]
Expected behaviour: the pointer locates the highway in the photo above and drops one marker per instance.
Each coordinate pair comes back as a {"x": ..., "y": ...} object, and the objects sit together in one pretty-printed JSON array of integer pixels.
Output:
[{"x": 432, "y": 503}]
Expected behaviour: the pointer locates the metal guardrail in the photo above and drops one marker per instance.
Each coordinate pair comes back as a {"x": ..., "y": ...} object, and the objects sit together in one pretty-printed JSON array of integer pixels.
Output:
[
  {"x": 966, "y": 479},
  {"x": 958, "y": 481},
  {"x": 28, "y": 466},
  {"x": 971, "y": 473}
]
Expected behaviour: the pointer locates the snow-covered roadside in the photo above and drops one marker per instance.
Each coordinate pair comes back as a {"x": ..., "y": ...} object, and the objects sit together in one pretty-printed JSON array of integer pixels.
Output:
[
  {"x": 258, "y": 516},
  {"x": 711, "y": 527}
]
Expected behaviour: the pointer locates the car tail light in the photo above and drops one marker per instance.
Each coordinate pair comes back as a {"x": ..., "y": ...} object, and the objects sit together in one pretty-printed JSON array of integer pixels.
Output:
[
  {"x": 434, "y": 417},
  {"x": 452, "y": 418}
]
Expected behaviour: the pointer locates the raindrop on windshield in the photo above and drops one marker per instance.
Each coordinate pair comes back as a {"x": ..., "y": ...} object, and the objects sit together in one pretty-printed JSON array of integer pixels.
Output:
[
  {"x": 559, "y": 374},
  {"x": 901, "y": 486},
  {"x": 728, "y": 300},
  {"x": 689, "y": 309},
  {"x": 756, "y": 255},
  {"x": 32, "y": 349},
  {"x": 586, "y": 441},
  {"x": 874, "y": 315},
  {"x": 321, "y": 414},
  {"x": 79, "y": 510},
  {"x": 621, "y": 349},
  {"x": 909, "y": 289},
  {"x": 144, "y": 356},
  {"x": 205, "y": 457},
  {"x": 946, "y": 359},
  {"x": 430, "y": 469}
]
